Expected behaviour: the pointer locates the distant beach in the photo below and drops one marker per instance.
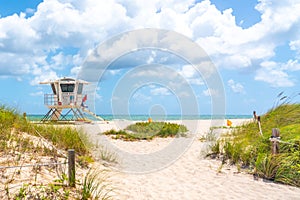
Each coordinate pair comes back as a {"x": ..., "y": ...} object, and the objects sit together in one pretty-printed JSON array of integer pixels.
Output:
[{"x": 109, "y": 117}]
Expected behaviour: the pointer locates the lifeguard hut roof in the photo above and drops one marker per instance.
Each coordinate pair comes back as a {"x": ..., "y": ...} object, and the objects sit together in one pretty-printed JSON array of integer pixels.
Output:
[{"x": 65, "y": 80}]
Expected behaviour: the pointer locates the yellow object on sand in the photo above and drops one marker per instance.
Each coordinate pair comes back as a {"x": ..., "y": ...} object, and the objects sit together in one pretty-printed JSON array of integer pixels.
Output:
[{"x": 229, "y": 123}]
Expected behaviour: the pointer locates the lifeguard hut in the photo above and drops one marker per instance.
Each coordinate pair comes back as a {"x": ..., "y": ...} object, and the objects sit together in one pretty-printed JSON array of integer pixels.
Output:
[{"x": 67, "y": 94}]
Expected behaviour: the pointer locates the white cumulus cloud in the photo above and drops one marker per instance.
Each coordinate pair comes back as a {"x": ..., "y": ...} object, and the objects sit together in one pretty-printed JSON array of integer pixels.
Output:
[
  {"x": 274, "y": 74},
  {"x": 236, "y": 87},
  {"x": 38, "y": 45},
  {"x": 210, "y": 92},
  {"x": 160, "y": 91}
]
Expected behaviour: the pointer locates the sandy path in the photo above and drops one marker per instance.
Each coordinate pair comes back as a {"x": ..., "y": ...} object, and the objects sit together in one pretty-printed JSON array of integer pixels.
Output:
[{"x": 191, "y": 176}]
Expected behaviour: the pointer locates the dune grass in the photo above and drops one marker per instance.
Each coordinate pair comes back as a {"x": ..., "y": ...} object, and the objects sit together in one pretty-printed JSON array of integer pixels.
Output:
[
  {"x": 96, "y": 185},
  {"x": 246, "y": 147},
  {"x": 62, "y": 137},
  {"x": 148, "y": 131},
  {"x": 15, "y": 145}
]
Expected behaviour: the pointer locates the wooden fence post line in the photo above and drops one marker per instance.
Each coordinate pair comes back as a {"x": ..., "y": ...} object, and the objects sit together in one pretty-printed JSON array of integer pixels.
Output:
[{"x": 71, "y": 165}]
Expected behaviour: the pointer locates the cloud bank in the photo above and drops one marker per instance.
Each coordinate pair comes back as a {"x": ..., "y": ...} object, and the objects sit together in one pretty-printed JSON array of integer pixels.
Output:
[{"x": 59, "y": 34}]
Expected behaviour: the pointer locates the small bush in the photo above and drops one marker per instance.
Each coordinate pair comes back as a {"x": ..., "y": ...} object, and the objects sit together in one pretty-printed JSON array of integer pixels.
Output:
[{"x": 148, "y": 130}]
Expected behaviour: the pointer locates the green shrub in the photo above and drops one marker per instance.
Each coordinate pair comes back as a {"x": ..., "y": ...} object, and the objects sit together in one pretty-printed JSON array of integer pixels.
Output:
[{"x": 148, "y": 130}]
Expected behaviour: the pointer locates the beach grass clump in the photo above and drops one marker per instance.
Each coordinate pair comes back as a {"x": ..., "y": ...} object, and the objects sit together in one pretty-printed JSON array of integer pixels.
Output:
[
  {"x": 108, "y": 156},
  {"x": 13, "y": 125},
  {"x": 267, "y": 165},
  {"x": 148, "y": 131},
  {"x": 64, "y": 137},
  {"x": 96, "y": 185},
  {"x": 248, "y": 148},
  {"x": 12, "y": 141},
  {"x": 7, "y": 117}
]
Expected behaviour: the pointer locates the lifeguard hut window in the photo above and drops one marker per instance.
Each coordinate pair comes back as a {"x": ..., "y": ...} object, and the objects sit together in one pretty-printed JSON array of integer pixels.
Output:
[
  {"x": 80, "y": 87},
  {"x": 67, "y": 87},
  {"x": 53, "y": 88}
]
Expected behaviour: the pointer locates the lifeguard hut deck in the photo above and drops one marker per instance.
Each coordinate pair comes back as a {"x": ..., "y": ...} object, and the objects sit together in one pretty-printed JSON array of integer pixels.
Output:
[{"x": 67, "y": 94}]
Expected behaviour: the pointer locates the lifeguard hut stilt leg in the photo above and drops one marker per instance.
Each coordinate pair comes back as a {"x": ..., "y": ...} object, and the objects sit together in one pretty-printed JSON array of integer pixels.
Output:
[{"x": 53, "y": 115}]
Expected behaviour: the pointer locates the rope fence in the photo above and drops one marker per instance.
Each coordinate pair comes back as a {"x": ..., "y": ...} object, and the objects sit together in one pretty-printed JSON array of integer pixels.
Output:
[
  {"x": 24, "y": 166},
  {"x": 275, "y": 137},
  {"x": 48, "y": 143},
  {"x": 280, "y": 141},
  {"x": 275, "y": 141},
  {"x": 71, "y": 170},
  {"x": 18, "y": 168},
  {"x": 34, "y": 165}
]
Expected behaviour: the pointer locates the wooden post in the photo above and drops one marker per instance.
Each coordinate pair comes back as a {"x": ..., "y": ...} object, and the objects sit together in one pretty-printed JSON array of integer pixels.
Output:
[
  {"x": 275, "y": 138},
  {"x": 254, "y": 116},
  {"x": 259, "y": 126},
  {"x": 274, "y": 145},
  {"x": 275, "y": 132},
  {"x": 71, "y": 165}
]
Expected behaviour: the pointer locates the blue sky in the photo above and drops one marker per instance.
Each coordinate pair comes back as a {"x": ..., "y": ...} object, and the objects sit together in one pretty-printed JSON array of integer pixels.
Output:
[{"x": 254, "y": 45}]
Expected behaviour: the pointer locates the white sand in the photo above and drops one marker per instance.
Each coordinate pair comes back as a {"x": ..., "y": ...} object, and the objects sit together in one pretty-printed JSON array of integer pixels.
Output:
[{"x": 189, "y": 177}]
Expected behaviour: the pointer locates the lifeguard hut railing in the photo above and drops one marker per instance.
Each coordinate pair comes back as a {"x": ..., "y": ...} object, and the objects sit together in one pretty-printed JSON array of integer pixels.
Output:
[
  {"x": 67, "y": 100},
  {"x": 50, "y": 99}
]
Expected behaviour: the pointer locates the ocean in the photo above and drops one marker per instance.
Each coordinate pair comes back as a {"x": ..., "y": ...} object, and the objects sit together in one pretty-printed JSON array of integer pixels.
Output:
[{"x": 155, "y": 117}]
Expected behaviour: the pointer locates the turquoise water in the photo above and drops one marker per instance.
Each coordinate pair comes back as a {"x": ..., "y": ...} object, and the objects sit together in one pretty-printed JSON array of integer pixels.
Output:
[{"x": 156, "y": 117}]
